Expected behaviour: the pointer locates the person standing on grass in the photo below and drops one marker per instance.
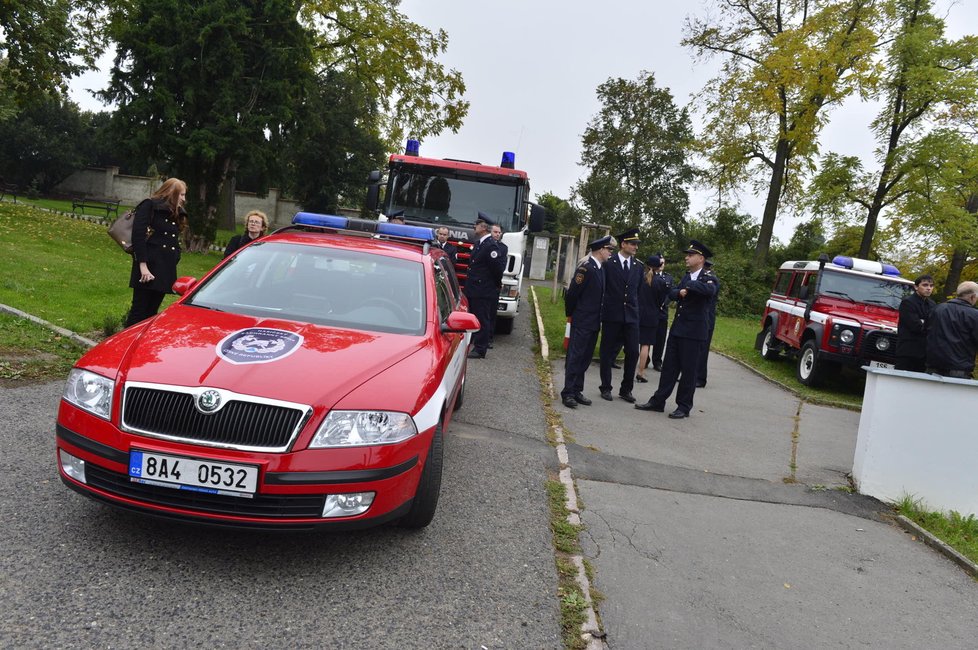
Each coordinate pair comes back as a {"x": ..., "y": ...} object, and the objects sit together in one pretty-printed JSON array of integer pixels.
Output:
[{"x": 156, "y": 229}]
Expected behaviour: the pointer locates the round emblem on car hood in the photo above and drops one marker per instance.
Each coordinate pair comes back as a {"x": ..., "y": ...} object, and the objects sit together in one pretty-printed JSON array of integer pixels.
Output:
[{"x": 208, "y": 401}]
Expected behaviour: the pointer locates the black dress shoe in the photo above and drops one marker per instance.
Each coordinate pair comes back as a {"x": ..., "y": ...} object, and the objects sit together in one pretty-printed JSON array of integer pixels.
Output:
[
  {"x": 650, "y": 406},
  {"x": 475, "y": 355},
  {"x": 569, "y": 402},
  {"x": 606, "y": 394},
  {"x": 580, "y": 399},
  {"x": 640, "y": 379},
  {"x": 701, "y": 384},
  {"x": 628, "y": 397},
  {"x": 678, "y": 414},
  {"x": 657, "y": 367},
  {"x": 616, "y": 366}
]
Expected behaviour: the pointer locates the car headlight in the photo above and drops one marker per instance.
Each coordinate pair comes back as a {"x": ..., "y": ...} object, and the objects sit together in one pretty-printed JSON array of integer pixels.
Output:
[
  {"x": 356, "y": 428},
  {"x": 882, "y": 344},
  {"x": 846, "y": 336},
  {"x": 90, "y": 392}
]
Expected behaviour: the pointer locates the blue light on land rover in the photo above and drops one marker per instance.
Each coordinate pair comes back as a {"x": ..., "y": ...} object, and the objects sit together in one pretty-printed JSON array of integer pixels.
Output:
[{"x": 866, "y": 266}]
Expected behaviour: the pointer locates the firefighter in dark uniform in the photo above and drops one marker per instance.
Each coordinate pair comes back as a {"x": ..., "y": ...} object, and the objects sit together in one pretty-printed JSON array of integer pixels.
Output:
[
  {"x": 660, "y": 335},
  {"x": 483, "y": 282},
  {"x": 619, "y": 314},
  {"x": 582, "y": 304},
  {"x": 701, "y": 375},
  {"x": 687, "y": 334},
  {"x": 915, "y": 311}
]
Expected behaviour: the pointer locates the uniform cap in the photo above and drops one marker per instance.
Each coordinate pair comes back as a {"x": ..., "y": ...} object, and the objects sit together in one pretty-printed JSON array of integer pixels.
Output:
[
  {"x": 699, "y": 248},
  {"x": 655, "y": 261},
  {"x": 598, "y": 244},
  {"x": 486, "y": 218},
  {"x": 630, "y": 235}
]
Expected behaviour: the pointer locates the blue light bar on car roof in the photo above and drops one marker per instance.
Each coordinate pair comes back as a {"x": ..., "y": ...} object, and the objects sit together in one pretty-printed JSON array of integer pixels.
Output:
[
  {"x": 401, "y": 231},
  {"x": 866, "y": 266}
]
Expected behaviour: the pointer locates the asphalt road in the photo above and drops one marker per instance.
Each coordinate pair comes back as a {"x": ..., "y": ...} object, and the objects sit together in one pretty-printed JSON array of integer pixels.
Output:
[{"x": 78, "y": 574}]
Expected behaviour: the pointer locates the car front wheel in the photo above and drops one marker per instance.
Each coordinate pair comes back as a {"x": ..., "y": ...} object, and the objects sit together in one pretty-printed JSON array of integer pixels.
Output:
[
  {"x": 811, "y": 370},
  {"x": 426, "y": 498}
]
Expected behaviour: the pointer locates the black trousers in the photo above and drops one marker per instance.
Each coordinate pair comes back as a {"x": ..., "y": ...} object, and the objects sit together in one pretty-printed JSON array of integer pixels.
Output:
[
  {"x": 658, "y": 348},
  {"x": 705, "y": 356},
  {"x": 614, "y": 336},
  {"x": 680, "y": 363},
  {"x": 145, "y": 304},
  {"x": 580, "y": 349},
  {"x": 483, "y": 309},
  {"x": 911, "y": 364}
]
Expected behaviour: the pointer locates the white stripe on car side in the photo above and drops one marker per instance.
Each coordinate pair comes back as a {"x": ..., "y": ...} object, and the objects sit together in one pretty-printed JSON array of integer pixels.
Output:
[{"x": 429, "y": 414}]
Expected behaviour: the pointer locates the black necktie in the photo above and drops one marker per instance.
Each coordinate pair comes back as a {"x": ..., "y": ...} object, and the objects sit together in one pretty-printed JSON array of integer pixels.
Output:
[{"x": 626, "y": 267}]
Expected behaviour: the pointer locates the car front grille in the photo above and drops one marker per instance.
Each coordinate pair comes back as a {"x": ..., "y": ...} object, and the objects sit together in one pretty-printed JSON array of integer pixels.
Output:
[
  {"x": 869, "y": 346},
  {"x": 268, "y": 506},
  {"x": 240, "y": 423}
]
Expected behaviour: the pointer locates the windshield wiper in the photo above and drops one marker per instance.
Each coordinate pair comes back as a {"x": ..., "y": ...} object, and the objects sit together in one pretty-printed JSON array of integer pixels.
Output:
[
  {"x": 197, "y": 304},
  {"x": 841, "y": 294},
  {"x": 878, "y": 301}
]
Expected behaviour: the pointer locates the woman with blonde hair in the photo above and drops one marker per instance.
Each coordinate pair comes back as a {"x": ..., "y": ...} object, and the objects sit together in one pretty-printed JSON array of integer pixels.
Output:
[
  {"x": 256, "y": 224},
  {"x": 156, "y": 230}
]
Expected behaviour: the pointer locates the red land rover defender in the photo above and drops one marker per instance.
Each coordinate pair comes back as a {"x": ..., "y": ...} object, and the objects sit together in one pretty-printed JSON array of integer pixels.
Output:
[{"x": 830, "y": 314}]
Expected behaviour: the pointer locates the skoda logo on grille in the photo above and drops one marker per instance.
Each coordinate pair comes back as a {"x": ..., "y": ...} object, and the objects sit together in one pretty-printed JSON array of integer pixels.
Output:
[{"x": 209, "y": 401}]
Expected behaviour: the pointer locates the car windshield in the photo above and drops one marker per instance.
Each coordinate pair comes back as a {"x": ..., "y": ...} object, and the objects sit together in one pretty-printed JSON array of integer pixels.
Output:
[
  {"x": 877, "y": 290},
  {"x": 326, "y": 286},
  {"x": 451, "y": 201}
]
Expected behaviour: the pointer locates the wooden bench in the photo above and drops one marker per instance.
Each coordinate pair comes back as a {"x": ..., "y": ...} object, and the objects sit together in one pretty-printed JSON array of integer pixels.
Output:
[
  {"x": 9, "y": 189},
  {"x": 109, "y": 206}
]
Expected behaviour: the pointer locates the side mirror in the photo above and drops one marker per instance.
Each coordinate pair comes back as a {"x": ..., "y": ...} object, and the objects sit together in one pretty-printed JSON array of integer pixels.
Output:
[
  {"x": 460, "y": 321},
  {"x": 183, "y": 285},
  {"x": 537, "y": 216},
  {"x": 803, "y": 293},
  {"x": 373, "y": 190}
]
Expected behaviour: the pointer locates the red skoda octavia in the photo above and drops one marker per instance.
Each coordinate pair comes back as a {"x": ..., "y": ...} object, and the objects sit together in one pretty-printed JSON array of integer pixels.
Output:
[{"x": 306, "y": 381}]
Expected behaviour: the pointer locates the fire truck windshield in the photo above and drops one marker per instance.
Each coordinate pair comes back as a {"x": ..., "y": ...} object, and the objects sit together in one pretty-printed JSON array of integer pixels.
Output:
[
  {"x": 431, "y": 198},
  {"x": 878, "y": 290}
]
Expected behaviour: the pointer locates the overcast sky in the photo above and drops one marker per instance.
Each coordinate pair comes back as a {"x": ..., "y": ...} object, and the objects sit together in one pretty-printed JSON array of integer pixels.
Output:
[{"x": 531, "y": 68}]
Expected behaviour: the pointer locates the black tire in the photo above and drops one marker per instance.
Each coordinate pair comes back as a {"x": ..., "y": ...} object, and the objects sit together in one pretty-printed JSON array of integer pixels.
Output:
[
  {"x": 811, "y": 369},
  {"x": 770, "y": 346},
  {"x": 504, "y": 326},
  {"x": 429, "y": 487},
  {"x": 461, "y": 396}
]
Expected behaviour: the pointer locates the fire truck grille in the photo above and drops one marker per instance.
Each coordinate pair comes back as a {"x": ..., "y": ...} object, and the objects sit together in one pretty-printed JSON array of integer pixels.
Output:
[
  {"x": 872, "y": 352},
  {"x": 238, "y": 423}
]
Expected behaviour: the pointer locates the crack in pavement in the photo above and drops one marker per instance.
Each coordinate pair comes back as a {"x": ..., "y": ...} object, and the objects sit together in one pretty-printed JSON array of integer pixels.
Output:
[{"x": 589, "y": 464}]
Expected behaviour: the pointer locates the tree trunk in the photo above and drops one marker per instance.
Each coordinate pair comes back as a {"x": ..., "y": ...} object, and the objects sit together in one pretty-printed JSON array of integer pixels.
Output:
[
  {"x": 958, "y": 259},
  {"x": 771, "y": 205},
  {"x": 227, "y": 212}
]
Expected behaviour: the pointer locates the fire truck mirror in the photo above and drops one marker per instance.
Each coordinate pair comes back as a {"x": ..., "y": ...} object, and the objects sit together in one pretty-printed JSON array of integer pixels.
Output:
[{"x": 537, "y": 216}]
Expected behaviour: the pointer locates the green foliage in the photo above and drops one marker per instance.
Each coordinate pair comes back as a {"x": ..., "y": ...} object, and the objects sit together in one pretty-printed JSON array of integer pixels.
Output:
[
  {"x": 46, "y": 42},
  {"x": 562, "y": 216},
  {"x": 636, "y": 149},
  {"x": 42, "y": 142},
  {"x": 958, "y": 531}
]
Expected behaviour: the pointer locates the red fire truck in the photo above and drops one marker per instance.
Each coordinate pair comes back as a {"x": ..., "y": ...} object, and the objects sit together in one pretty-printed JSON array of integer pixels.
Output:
[{"x": 451, "y": 193}]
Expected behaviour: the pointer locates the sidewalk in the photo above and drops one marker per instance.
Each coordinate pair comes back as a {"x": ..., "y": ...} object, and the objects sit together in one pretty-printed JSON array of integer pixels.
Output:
[{"x": 728, "y": 529}]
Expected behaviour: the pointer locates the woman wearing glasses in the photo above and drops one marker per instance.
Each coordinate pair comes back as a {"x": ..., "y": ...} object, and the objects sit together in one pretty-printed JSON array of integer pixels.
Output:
[{"x": 256, "y": 223}]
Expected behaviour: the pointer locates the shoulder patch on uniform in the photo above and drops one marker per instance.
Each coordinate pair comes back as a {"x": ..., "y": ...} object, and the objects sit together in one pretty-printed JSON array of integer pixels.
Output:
[
  {"x": 494, "y": 254},
  {"x": 579, "y": 278}
]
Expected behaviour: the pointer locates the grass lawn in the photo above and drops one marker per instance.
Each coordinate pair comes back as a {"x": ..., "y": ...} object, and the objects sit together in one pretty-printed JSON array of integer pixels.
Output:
[
  {"x": 69, "y": 271},
  {"x": 32, "y": 353},
  {"x": 959, "y": 532}
]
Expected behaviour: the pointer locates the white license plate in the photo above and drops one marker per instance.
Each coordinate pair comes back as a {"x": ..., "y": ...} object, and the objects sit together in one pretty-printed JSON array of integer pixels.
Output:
[
  {"x": 182, "y": 473},
  {"x": 880, "y": 364}
]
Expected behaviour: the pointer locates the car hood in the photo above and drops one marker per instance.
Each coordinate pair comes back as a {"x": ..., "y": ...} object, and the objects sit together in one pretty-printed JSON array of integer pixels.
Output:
[
  {"x": 868, "y": 317},
  {"x": 280, "y": 359}
]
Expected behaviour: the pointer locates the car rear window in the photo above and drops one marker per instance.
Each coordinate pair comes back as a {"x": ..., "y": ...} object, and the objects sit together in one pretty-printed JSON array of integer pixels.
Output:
[{"x": 326, "y": 286}]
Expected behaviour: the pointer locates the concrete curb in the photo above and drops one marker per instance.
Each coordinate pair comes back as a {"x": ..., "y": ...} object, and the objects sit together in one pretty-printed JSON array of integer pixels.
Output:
[
  {"x": 591, "y": 632},
  {"x": 935, "y": 543},
  {"x": 77, "y": 338}
]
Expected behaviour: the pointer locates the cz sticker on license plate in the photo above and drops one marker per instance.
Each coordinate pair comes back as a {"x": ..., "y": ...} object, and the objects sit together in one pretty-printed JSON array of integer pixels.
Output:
[{"x": 182, "y": 473}]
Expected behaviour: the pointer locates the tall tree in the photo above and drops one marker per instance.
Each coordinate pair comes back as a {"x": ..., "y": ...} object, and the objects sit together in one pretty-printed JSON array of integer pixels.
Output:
[
  {"x": 784, "y": 62},
  {"x": 925, "y": 73},
  {"x": 562, "y": 216},
  {"x": 43, "y": 143},
  {"x": 636, "y": 149}
]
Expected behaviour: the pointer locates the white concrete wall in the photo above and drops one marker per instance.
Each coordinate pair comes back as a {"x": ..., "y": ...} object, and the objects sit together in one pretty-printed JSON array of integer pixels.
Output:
[
  {"x": 918, "y": 436},
  {"x": 539, "y": 257}
]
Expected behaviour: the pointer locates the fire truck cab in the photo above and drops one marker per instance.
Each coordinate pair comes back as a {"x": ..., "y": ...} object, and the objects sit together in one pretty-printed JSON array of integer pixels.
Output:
[
  {"x": 446, "y": 192},
  {"x": 830, "y": 314}
]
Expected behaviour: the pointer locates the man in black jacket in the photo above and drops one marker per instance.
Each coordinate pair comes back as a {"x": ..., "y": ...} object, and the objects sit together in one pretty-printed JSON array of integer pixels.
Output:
[
  {"x": 582, "y": 304},
  {"x": 687, "y": 334},
  {"x": 915, "y": 311},
  {"x": 619, "y": 315},
  {"x": 704, "y": 359},
  {"x": 482, "y": 283},
  {"x": 952, "y": 338},
  {"x": 445, "y": 245}
]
